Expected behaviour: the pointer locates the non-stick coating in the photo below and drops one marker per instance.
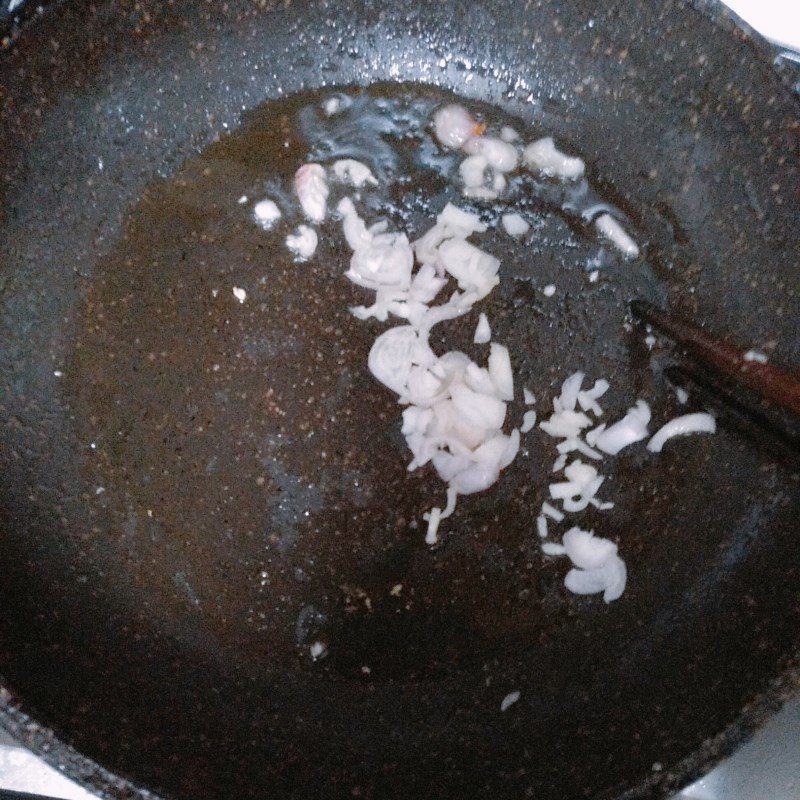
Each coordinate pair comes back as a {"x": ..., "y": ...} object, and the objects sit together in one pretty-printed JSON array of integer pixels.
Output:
[{"x": 102, "y": 636}]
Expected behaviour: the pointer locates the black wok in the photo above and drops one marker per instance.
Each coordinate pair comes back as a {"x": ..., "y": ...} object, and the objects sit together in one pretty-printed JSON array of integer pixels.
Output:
[{"x": 171, "y": 543}]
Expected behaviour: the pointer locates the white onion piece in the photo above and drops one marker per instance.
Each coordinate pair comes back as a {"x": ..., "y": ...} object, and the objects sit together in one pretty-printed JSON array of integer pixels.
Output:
[
  {"x": 312, "y": 191},
  {"x": 587, "y": 399},
  {"x": 631, "y": 428},
  {"x": 553, "y": 549},
  {"x": 475, "y": 270},
  {"x": 452, "y": 309},
  {"x": 478, "y": 410},
  {"x": 472, "y": 170},
  {"x": 481, "y": 192},
  {"x": 454, "y": 125},
  {"x": 528, "y": 421},
  {"x": 391, "y": 357},
  {"x": 509, "y": 700},
  {"x": 541, "y": 526},
  {"x": 354, "y": 172},
  {"x": 560, "y": 463},
  {"x": 436, "y": 515},
  {"x": 477, "y": 379},
  {"x": 528, "y": 396},
  {"x": 576, "y": 443},
  {"x": 582, "y": 485},
  {"x": 426, "y": 247},
  {"x": 500, "y": 155},
  {"x": 483, "y": 332},
  {"x": 331, "y": 105},
  {"x": 586, "y": 550},
  {"x": 355, "y": 229},
  {"x": 610, "y": 579},
  {"x": 387, "y": 261},
  {"x": 303, "y": 242},
  {"x": 511, "y": 450},
  {"x": 569, "y": 392},
  {"x": 500, "y": 371},
  {"x": 500, "y": 450},
  {"x": 508, "y": 134},
  {"x": 681, "y": 426},
  {"x": 616, "y": 234},
  {"x": 461, "y": 223},
  {"x": 433, "y": 526},
  {"x": 757, "y": 356},
  {"x": 552, "y": 512},
  {"x": 266, "y": 213},
  {"x": 565, "y": 424},
  {"x": 549, "y": 290},
  {"x": 476, "y": 478},
  {"x": 515, "y": 224},
  {"x": 543, "y": 156},
  {"x": 425, "y": 285}
]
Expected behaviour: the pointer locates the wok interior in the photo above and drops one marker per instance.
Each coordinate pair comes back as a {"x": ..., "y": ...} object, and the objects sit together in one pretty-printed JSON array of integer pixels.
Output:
[{"x": 160, "y": 625}]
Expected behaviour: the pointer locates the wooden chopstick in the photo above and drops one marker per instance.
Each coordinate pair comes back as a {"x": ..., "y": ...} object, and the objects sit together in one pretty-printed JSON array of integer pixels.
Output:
[{"x": 771, "y": 383}]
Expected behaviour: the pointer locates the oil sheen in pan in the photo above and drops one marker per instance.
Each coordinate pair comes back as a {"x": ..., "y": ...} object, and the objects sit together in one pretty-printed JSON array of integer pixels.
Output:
[{"x": 253, "y": 469}]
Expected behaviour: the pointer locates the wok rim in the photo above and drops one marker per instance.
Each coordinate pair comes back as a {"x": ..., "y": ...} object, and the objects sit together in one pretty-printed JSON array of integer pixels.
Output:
[{"x": 92, "y": 776}]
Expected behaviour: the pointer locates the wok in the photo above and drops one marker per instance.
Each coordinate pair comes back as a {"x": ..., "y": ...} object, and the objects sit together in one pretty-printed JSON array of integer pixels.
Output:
[{"x": 172, "y": 538}]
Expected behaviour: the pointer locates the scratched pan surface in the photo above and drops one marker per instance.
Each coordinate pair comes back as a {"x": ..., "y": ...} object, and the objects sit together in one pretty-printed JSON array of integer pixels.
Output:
[{"x": 208, "y": 488}]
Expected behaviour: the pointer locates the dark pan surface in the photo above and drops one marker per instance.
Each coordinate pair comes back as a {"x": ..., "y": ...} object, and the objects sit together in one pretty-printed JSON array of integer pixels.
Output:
[{"x": 162, "y": 625}]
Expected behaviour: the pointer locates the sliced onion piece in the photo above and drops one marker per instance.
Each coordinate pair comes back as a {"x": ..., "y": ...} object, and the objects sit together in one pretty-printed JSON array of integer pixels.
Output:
[
  {"x": 355, "y": 229},
  {"x": 682, "y": 426},
  {"x": 528, "y": 421},
  {"x": 609, "y": 227},
  {"x": 386, "y": 261},
  {"x": 586, "y": 550},
  {"x": 483, "y": 332},
  {"x": 473, "y": 171},
  {"x": 541, "y": 526},
  {"x": 391, "y": 357},
  {"x": 552, "y": 512},
  {"x": 475, "y": 270},
  {"x": 631, "y": 428},
  {"x": 303, "y": 242},
  {"x": 461, "y": 223},
  {"x": 515, "y": 224},
  {"x": 499, "y": 155},
  {"x": 543, "y": 157},
  {"x": 609, "y": 579},
  {"x": 478, "y": 410},
  {"x": 500, "y": 371},
  {"x": 354, "y": 172}
]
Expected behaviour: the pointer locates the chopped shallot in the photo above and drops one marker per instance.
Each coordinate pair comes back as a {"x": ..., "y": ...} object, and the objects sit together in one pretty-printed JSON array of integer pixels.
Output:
[
  {"x": 454, "y": 125},
  {"x": 354, "y": 172},
  {"x": 499, "y": 155},
  {"x": 266, "y": 213},
  {"x": 303, "y": 242},
  {"x": 543, "y": 156},
  {"x": 616, "y": 234},
  {"x": 311, "y": 186}
]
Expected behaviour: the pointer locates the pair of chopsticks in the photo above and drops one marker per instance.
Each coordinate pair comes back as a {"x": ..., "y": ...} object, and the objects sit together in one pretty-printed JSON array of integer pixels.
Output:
[{"x": 773, "y": 386}]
